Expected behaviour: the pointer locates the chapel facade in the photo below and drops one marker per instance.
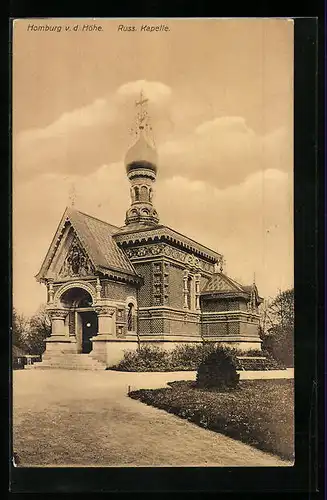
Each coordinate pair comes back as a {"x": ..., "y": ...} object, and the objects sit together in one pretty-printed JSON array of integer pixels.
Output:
[{"x": 110, "y": 289}]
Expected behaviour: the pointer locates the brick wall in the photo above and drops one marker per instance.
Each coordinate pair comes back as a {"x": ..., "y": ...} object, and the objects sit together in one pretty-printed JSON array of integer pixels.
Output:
[
  {"x": 249, "y": 328},
  {"x": 218, "y": 328},
  {"x": 243, "y": 305},
  {"x": 174, "y": 327},
  {"x": 219, "y": 305},
  {"x": 145, "y": 326},
  {"x": 176, "y": 284},
  {"x": 223, "y": 328},
  {"x": 116, "y": 291},
  {"x": 153, "y": 326},
  {"x": 145, "y": 293}
]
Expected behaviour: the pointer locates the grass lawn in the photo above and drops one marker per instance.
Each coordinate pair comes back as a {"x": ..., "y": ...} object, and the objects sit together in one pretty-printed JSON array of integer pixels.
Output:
[
  {"x": 258, "y": 412},
  {"x": 85, "y": 418}
]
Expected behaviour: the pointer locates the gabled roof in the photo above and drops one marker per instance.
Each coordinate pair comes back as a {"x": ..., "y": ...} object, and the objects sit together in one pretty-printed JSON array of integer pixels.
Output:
[
  {"x": 96, "y": 237},
  {"x": 223, "y": 285},
  {"x": 219, "y": 282}
]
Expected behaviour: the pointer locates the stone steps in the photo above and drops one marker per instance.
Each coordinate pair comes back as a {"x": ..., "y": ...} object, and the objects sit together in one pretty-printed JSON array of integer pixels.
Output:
[{"x": 69, "y": 362}]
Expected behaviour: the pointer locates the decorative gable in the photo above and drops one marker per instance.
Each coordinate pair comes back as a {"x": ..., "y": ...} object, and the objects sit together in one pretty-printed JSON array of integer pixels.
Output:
[
  {"x": 76, "y": 263},
  {"x": 219, "y": 283},
  {"x": 84, "y": 246}
]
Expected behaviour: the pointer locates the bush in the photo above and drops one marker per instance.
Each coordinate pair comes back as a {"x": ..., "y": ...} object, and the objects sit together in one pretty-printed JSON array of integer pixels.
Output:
[
  {"x": 268, "y": 362},
  {"x": 184, "y": 357},
  {"x": 218, "y": 370},
  {"x": 190, "y": 356},
  {"x": 146, "y": 358}
]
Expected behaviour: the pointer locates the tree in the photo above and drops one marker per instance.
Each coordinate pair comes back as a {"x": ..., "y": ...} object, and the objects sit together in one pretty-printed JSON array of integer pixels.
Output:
[
  {"x": 281, "y": 309},
  {"x": 277, "y": 326},
  {"x": 39, "y": 330},
  {"x": 277, "y": 312},
  {"x": 20, "y": 326}
]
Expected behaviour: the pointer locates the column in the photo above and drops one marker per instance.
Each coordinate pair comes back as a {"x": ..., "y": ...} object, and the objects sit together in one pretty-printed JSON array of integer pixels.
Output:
[
  {"x": 197, "y": 291},
  {"x": 57, "y": 317},
  {"x": 185, "y": 290},
  {"x": 50, "y": 291},
  {"x": 98, "y": 288},
  {"x": 106, "y": 320}
]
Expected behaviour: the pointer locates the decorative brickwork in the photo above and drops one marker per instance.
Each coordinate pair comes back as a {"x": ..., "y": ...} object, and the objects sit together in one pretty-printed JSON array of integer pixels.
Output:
[
  {"x": 144, "y": 252},
  {"x": 117, "y": 291},
  {"x": 71, "y": 324},
  {"x": 221, "y": 305},
  {"x": 176, "y": 286},
  {"x": 145, "y": 296},
  {"x": 160, "y": 283}
]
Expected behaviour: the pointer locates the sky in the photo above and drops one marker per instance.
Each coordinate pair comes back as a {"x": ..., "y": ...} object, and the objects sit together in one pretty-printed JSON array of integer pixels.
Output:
[{"x": 221, "y": 104}]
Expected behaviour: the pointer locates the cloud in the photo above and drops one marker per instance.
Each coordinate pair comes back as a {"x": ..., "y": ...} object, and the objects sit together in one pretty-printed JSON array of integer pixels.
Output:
[
  {"x": 38, "y": 206},
  {"x": 224, "y": 151},
  {"x": 219, "y": 181},
  {"x": 99, "y": 111},
  {"x": 90, "y": 135},
  {"x": 250, "y": 223},
  {"x": 154, "y": 91}
]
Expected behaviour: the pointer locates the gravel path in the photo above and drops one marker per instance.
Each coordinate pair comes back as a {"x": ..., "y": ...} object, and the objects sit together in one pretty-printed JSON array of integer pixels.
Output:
[{"x": 84, "y": 418}]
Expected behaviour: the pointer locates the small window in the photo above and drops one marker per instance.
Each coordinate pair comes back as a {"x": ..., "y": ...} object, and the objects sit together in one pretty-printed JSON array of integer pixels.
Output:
[
  {"x": 130, "y": 318},
  {"x": 189, "y": 294},
  {"x": 144, "y": 193}
]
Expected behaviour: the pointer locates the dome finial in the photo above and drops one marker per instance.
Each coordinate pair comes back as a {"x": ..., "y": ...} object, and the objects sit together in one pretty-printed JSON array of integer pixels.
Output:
[{"x": 141, "y": 166}]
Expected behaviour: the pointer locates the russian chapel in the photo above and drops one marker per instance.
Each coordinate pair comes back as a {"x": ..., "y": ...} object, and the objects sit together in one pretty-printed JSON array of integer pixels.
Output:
[{"x": 110, "y": 289}]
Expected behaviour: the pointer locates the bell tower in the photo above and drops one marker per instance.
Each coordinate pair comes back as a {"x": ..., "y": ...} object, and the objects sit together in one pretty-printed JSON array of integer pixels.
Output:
[{"x": 141, "y": 167}]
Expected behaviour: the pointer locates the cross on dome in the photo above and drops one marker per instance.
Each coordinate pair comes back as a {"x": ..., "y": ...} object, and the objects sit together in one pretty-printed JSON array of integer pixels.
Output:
[
  {"x": 141, "y": 167},
  {"x": 142, "y": 114},
  {"x": 142, "y": 117}
]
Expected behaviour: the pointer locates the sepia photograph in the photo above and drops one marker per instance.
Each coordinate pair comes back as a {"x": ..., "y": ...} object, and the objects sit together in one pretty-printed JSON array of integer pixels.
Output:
[{"x": 153, "y": 242}]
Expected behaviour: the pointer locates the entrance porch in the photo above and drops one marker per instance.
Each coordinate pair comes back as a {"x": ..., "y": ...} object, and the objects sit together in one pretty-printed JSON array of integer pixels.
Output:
[{"x": 83, "y": 323}]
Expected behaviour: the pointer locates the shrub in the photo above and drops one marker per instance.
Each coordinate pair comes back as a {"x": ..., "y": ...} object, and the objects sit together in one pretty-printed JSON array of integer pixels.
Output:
[
  {"x": 218, "y": 370},
  {"x": 189, "y": 356},
  {"x": 266, "y": 361},
  {"x": 145, "y": 358}
]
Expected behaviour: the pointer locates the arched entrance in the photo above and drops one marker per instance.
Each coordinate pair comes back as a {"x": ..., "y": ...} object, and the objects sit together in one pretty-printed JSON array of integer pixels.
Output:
[{"x": 82, "y": 320}]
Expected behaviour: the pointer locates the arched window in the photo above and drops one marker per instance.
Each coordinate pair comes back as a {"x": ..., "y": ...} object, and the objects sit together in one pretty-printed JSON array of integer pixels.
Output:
[
  {"x": 144, "y": 193},
  {"x": 130, "y": 318},
  {"x": 137, "y": 193},
  {"x": 189, "y": 294}
]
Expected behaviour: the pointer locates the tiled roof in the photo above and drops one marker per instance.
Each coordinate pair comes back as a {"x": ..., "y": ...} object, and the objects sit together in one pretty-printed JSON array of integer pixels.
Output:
[
  {"x": 224, "y": 285},
  {"x": 219, "y": 282},
  {"x": 96, "y": 237}
]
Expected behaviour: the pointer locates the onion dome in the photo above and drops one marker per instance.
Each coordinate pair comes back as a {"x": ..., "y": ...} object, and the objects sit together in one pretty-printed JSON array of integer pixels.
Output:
[{"x": 141, "y": 155}]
